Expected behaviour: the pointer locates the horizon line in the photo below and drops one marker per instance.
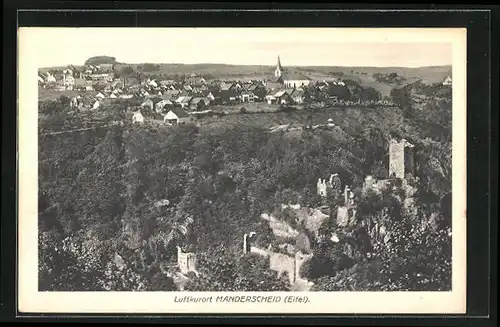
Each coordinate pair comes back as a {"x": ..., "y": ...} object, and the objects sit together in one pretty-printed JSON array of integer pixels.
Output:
[{"x": 249, "y": 65}]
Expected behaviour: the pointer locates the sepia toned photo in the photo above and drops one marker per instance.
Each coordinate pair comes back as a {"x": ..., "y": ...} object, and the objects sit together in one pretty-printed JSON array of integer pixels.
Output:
[{"x": 280, "y": 171}]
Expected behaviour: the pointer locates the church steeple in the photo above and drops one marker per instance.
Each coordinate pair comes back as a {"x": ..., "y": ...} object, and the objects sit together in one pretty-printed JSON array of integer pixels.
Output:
[{"x": 279, "y": 69}]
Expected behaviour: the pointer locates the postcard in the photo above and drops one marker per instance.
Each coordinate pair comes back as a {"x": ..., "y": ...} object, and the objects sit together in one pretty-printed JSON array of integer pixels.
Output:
[{"x": 242, "y": 170}]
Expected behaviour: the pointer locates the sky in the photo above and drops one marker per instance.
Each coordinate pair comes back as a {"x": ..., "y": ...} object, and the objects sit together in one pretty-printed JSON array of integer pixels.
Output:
[{"x": 240, "y": 46}]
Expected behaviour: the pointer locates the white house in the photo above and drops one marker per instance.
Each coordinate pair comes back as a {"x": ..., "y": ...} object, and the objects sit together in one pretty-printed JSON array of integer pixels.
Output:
[
  {"x": 160, "y": 105},
  {"x": 137, "y": 117},
  {"x": 176, "y": 116},
  {"x": 293, "y": 80},
  {"x": 69, "y": 82},
  {"x": 448, "y": 81},
  {"x": 100, "y": 95},
  {"x": 50, "y": 78},
  {"x": 96, "y": 105},
  {"x": 147, "y": 103}
]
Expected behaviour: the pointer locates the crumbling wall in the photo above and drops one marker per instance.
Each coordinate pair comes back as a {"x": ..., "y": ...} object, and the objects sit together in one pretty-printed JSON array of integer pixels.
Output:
[
  {"x": 283, "y": 263},
  {"x": 300, "y": 258},
  {"x": 346, "y": 215},
  {"x": 401, "y": 159},
  {"x": 186, "y": 261}
]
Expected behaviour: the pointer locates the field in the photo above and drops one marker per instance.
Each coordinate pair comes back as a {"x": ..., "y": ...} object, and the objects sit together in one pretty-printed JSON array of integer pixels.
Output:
[
  {"x": 349, "y": 119},
  {"x": 47, "y": 94}
]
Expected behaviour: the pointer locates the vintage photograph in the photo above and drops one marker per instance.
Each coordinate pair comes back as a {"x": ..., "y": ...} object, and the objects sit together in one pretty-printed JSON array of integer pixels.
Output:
[
  {"x": 211, "y": 163},
  {"x": 206, "y": 172}
]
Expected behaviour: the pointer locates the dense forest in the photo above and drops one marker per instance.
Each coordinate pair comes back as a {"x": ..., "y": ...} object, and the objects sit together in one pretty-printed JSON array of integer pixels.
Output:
[{"x": 101, "y": 230}]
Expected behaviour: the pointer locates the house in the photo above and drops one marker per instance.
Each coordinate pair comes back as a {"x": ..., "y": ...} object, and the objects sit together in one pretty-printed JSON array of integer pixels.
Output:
[
  {"x": 169, "y": 95},
  {"x": 147, "y": 103},
  {"x": 198, "y": 103},
  {"x": 41, "y": 80},
  {"x": 49, "y": 78},
  {"x": 228, "y": 96},
  {"x": 82, "y": 85},
  {"x": 448, "y": 81},
  {"x": 299, "y": 96},
  {"x": 273, "y": 85},
  {"x": 100, "y": 95},
  {"x": 236, "y": 87},
  {"x": 166, "y": 83},
  {"x": 68, "y": 72},
  {"x": 184, "y": 101},
  {"x": 96, "y": 105},
  {"x": 294, "y": 80},
  {"x": 283, "y": 97},
  {"x": 175, "y": 117},
  {"x": 152, "y": 83},
  {"x": 101, "y": 77},
  {"x": 194, "y": 80},
  {"x": 187, "y": 88},
  {"x": 68, "y": 82},
  {"x": 247, "y": 96},
  {"x": 224, "y": 86},
  {"x": 208, "y": 95},
  {"x": 160, "y": 106},
  {"x": 105, "y": 67},
  {"x": 137, "y": 117}
]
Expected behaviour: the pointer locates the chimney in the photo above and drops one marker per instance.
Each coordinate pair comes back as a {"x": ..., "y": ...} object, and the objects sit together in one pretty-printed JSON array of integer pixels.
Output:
[{"x": 346, "y": 194}]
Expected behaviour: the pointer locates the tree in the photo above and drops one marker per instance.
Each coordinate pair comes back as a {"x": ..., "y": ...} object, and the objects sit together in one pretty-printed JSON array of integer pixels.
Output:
[{"x": 98, "y": 60}]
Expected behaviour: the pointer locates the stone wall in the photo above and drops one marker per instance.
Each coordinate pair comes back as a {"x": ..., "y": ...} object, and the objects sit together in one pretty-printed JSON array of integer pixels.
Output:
[
  {"x": 346, "y": 215},
  {"x": 401, "y": 159},
  {"x": 186, "y": 261},
  {"x": 283, "y": 263}
]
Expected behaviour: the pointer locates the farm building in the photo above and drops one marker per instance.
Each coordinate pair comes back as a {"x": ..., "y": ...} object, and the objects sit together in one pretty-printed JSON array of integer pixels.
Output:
[{"x": 176, "y": 116}]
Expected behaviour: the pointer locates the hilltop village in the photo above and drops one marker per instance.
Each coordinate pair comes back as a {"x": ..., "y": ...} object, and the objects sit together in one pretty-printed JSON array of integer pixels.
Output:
[
  {"x": 175, "y": 101},
  {"x": 280, "y": 183}
]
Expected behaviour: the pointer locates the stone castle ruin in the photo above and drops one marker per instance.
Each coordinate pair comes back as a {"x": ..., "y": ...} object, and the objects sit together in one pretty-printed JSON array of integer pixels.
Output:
[
  {"x": 333, "y": 184},
  {"x": 279, "y": 262},
  {"x": 346, "y": 213},
  {"x": 401, "y": 164},
  {"x": 186, "y": 261},
  {"x": 401, "y": 159}
]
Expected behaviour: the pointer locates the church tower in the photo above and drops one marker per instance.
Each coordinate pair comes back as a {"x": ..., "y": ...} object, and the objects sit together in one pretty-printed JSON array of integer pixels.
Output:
[{"x": 279, "y": 69}]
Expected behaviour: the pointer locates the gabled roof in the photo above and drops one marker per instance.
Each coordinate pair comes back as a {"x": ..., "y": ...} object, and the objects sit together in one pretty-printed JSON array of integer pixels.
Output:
[
  {"x": 298, "y": 93},
  {"x": 227, "y": 93},
  {"x": 179, "y": 112},
  {"x": 184, "y": 99},
  {"x": 197, "y": 100},
  {"x": 273, "y": 85},
  {"x": 282, "y": 93},
  {"x": 294, "y": 77}
]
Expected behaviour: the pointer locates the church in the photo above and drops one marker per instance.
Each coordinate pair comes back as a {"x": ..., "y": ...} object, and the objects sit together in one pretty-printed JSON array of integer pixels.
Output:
[{"x": 288, "y": 79}]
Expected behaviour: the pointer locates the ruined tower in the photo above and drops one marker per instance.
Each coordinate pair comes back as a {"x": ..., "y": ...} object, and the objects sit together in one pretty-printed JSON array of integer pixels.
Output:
[
  {"x": 401, "y": 159},
  {"x": 186, "y": 261}
]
